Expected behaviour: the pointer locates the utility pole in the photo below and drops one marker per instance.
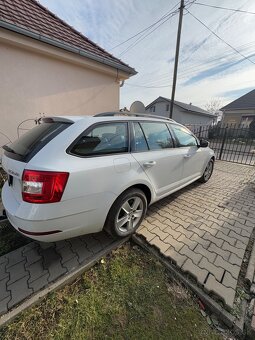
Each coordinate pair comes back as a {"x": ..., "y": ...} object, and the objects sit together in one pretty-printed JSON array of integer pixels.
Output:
[{"x": 176, "y": 57}]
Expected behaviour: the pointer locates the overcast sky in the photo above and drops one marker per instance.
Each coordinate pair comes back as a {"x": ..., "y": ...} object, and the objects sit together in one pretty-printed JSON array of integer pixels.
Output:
[{"x": 208, "y": 68}]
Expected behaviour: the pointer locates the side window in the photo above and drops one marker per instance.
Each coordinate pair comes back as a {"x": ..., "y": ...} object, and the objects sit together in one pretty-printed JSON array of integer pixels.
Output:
[
  {"x": 140, "y": 141},
  {"x": 157, "y": 135},
  {"x": 107, "y": 138},
  {"x": 183, "y": 136}
]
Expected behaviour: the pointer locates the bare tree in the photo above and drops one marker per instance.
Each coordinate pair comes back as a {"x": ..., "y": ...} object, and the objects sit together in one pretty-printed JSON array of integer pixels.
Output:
[{"x": 213, "y": 106}]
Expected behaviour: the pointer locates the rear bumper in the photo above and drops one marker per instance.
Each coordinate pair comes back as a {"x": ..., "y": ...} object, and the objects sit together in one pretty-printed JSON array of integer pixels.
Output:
[{"x": 55, "y": 221}]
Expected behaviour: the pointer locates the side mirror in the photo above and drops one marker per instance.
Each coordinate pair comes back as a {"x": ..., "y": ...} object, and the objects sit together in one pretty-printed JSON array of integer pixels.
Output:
[{"x": 203, "y": 143}]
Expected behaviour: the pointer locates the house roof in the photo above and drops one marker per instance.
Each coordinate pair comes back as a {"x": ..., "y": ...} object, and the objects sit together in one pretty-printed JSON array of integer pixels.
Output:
[
  {"x": 247, "y": 101},
  {"x": 31, "y": 16},
  {"x": 187, "y": 107}
]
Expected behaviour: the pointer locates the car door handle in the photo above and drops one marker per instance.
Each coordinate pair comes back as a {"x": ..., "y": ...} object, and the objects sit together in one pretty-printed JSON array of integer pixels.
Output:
[
  {"x": 149, "y": 164},
  {"x": 187, "y": 156}
]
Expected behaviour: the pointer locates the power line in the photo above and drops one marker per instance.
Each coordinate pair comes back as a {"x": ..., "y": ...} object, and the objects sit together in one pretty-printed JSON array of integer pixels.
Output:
[
  {"x": 149, "y": 87},
  {"x": 216, "y": 35},
  {"x": 146, "y": 28},
  {"x": 137, "y": 41},
  {"x": 228, "y": 9}
]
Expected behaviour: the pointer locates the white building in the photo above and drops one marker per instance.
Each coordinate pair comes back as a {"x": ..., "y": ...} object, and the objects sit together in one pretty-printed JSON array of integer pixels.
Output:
[{"x": 186, "y": 114}]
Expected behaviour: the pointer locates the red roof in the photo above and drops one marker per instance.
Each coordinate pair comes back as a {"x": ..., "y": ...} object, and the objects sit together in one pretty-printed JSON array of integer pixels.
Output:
[{"x": 32, "y": 16}]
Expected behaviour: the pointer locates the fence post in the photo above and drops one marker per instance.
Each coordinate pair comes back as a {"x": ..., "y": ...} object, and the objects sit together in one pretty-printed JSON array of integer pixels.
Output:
[
  {"x": 200, "y": 129},
  {"x": 223, "y": 142}
]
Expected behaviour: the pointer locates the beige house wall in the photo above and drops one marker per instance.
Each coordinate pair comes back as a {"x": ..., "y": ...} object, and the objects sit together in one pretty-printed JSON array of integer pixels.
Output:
[
  {"x": 38, "y": 78},
  {"x": 235, "y": 116}
]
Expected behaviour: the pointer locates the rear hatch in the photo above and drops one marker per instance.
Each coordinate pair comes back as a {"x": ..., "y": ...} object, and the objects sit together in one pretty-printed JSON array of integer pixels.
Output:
[{"x": 18, "y": 154}]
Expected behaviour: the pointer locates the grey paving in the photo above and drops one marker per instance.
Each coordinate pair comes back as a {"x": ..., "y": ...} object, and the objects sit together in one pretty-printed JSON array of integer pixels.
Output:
[
  {"x": 204, "y": 229},
  {"x": 29, "y": 269}
]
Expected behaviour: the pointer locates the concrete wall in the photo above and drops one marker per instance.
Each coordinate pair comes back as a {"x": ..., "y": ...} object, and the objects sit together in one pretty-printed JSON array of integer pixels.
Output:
[
  {"x": 34, "y": 81},
  {"x": 180, "y": 115}
]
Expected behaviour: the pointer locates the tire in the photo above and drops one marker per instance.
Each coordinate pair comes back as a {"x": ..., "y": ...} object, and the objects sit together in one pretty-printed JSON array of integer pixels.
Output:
[
  {"x": 126, "y": 214},
  {"x": 208, "y": 172}
]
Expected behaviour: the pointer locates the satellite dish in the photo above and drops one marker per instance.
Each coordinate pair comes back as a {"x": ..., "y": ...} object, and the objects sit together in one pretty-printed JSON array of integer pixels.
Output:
[{"x": 137, "y": 107}]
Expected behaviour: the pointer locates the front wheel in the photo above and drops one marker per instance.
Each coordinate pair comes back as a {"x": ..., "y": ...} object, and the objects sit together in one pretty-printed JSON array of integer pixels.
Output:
[
  {"x": 208, "y": 172},
  {"x": 127, "y": 213}
]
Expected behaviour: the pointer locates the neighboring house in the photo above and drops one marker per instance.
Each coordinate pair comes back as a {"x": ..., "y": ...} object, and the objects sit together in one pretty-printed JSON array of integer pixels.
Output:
[
  {"x": 186, "y": 114},
  {"x": 49, "y": 67},
  {"x": 240, "y": 111}
]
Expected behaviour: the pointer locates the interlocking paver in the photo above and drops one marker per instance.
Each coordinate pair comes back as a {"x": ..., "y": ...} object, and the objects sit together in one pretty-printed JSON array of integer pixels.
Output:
[
  {"x": 4, "y": 293},
  {"x": 175, "y": 256},
  {"x": 19, "y": 291},
  {"x": 191, "y": 244},
  {"x": 15, "y": 257},
  {"x": 4, "y": 304},
  {"x": 226, "y": 293},
  {"x": 32, "y": 255},
  {"x": 174, "y": 243},
  {"x": 3, "y": 271},
  {"x": 161, "y": 245},
  {"x": 195, "y": 257},
  {"x": 146, "y": 233},
  {"x": 174, "y": 233},
  {"x": 238, "y": 251},
  {"x": 213, "y": 239},
  {"x": 205, "y": 243},
  {"x": 39, "y": 283},
  {"x": 17, "y": 271},
  {"x": 233, "y": 259},
  {"x": 233, "y": 269},
  {"x": 222, "y": 236},
  {"x": 161, "y": 234},
  {"x": 213, "y": 269},
  {"x": 229, "y": 280},
  {"x": 205, "y": 252},
  {"x": 194, "y": 270},
  {"x": 36, "y": 270},
  {"x": 52, "y": 263}
]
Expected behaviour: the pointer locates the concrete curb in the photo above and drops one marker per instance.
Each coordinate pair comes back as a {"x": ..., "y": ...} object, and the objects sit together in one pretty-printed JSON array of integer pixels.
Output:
[
  {"x": 249, "y": 276},
  {"x": 36, "y": 298},
  {"x": 228, "y": 319}
]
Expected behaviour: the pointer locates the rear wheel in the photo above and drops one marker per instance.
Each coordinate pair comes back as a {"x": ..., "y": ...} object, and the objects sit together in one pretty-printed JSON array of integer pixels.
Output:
[
  {"x": 208, "y": 172},
  {"x": 127, "y": 213}
]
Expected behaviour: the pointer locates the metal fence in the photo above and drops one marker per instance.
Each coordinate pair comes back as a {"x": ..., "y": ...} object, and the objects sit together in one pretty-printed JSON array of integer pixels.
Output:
[{"x": 233, "y": 143}]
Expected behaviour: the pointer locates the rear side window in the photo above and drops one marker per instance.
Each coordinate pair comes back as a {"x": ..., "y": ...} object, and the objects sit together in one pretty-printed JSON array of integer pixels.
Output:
[
  {"x": 140, "y": 141},
  {"x": 24, "y": 148},
  {"x": 157, "y": 135},
  {"x": 183, "y": 136},
  {"x": 102, "y": 139}
]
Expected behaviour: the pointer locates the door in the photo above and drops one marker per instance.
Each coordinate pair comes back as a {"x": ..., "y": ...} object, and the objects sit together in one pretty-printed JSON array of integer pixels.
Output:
[
  {"x": 153, "y": 148},
  {"x": 193, "y": 156}
]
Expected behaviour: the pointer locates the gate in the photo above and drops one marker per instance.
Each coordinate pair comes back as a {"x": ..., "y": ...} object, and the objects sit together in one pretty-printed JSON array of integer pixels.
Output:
[{"x": 232, "y": 143}]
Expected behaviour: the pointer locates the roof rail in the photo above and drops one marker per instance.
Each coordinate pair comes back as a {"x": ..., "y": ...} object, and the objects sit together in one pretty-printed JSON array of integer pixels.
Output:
[{"x": 123, "y": 113}]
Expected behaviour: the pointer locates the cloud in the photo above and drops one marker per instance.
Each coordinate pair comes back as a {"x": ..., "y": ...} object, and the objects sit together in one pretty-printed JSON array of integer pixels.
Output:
[{"x": 207, "y": 67}]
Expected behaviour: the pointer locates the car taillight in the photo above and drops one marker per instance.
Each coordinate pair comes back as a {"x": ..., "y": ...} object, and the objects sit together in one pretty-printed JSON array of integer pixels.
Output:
[{"x": 43, "y": 186}]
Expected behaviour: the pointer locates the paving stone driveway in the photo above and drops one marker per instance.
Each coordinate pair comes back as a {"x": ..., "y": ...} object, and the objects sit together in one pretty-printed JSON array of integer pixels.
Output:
[
  {"x": 29, "y": 269},
  {"x": 205, "y": 228}
]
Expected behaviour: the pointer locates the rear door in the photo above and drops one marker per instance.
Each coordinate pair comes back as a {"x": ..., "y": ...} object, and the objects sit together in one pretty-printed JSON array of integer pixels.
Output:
[
  {"x": 193, "y": 156},
  {"x": 153, "y": 148}
]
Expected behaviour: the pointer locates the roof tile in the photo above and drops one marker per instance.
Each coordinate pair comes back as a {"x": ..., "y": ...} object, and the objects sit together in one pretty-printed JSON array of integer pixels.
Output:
[{"x": 37, "y": 18}]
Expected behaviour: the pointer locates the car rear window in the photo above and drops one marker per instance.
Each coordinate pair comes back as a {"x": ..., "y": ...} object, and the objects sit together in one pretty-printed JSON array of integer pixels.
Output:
[{"x": 29, "y": 144}]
